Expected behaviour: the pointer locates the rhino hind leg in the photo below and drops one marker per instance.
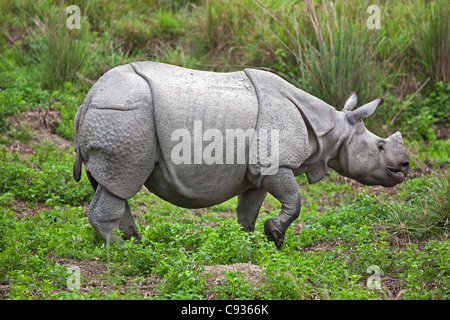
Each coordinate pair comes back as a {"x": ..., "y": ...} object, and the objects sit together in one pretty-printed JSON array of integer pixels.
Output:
[
  {"x": 108, "y": 213},
  {"x": 127, "y": 224},
  {"x": 248, "y": 206}
]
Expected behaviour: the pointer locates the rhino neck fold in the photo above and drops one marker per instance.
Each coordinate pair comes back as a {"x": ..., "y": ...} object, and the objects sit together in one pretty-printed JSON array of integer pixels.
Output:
[
  {"x": 325, "y": 151},
  {"x": 310, "y": 151}
]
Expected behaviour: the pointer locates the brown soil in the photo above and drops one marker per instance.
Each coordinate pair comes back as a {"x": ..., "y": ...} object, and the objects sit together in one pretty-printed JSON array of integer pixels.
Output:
[
  {"x": 22, "y": 209},
  {"x": 215, "y": 276},
  {"x": 95, "y": 275},
  {"x": 442, "y": 131},
  {"x": 43, "y": 123}
]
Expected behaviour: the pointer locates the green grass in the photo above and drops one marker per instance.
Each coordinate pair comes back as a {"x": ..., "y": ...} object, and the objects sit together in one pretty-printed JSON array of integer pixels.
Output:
[
  {"x": 432, "y": 45},
  {"x": 332, "y": 51},
  {"x": 426, "y": 213},
  {"x": 176, "y": 244},
  {"x": 61, "y": 52},
  {"x": 46, "y": 176}
]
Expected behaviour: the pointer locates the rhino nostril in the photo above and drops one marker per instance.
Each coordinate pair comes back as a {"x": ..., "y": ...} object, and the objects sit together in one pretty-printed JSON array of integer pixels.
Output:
[{"x": 404, "y": 166}]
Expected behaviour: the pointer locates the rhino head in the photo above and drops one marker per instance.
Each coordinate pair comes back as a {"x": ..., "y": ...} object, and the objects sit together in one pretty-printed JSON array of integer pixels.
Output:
[{"x": 365, "y": 157}]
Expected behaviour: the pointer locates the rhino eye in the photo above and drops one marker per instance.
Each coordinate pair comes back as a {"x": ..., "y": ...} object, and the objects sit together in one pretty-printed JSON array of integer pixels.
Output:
[{"x": 380, "y": 147}]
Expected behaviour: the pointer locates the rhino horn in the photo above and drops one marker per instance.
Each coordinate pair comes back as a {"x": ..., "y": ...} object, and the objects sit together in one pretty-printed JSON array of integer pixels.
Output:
[
  {"x": 364, "y": 111},
  {"x": 351, "y": 102}
]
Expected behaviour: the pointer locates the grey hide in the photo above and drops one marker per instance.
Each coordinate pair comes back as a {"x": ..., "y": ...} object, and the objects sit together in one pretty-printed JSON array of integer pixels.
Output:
[{"x": 131, "y": 130}]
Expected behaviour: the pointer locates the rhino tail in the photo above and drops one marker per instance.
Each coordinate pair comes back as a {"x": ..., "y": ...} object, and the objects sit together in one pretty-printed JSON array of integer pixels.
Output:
[
  {"x": 77, "y": 166},
  {"x": 76, "y": 124}
]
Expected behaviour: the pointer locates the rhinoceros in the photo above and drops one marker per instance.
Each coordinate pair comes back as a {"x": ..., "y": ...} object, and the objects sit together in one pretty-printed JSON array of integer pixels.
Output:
[{"x": 198, "y": 138}]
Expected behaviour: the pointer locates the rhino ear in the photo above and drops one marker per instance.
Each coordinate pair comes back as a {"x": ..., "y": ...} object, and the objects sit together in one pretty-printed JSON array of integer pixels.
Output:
[
  {"x": 351, "y": 102},
  {"x": 364, "y": 111}
]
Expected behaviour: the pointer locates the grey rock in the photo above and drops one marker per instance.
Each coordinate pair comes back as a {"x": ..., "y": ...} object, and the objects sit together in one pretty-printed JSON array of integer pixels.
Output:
[{"x": 198, "y": 138}]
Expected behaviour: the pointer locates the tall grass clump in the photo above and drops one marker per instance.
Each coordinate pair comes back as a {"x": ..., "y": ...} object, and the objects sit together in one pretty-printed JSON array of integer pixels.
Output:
[
  {"x": 223, "y": 32},
  {"x": 328, "y": 50},
  {"x": 433, "y": 42},
  {"x": 61, "y": 52},
  {"x": 426, "y": 214}
]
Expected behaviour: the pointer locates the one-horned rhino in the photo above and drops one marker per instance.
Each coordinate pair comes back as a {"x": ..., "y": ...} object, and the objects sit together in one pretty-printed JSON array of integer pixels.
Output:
[{"x": 195, "y": 139}]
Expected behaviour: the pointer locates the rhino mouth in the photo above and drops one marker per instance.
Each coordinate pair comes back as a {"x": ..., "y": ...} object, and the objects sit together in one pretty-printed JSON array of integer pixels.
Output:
[{"x": 396, "y": 173}]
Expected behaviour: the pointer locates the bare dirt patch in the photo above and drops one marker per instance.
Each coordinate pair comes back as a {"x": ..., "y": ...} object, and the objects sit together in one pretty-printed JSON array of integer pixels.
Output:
[
  {"x": 41, "y": 125},
  {"x": 215, "y": 276},
  {"x": 442, "y": 131},
  {"x": 95, "y": 275},
  {"x": 323, "y": 246},
  {"x": 4, "y": 290},
  {"x": 390, "y": 288},
  {"x": 22, "y": 209},
  {"x": 90, "y": 272}
]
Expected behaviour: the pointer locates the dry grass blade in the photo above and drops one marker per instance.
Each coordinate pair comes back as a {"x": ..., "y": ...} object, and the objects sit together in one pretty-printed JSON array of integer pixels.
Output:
[
  {"x": 405, "y": 104},
  {"x": 280, "y": 23}
]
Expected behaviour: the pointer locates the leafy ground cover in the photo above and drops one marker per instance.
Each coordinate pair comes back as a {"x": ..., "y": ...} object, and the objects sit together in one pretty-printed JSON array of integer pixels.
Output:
[
  {"x": 350, "y": 241},
  {"x": 327, "y": 254}
]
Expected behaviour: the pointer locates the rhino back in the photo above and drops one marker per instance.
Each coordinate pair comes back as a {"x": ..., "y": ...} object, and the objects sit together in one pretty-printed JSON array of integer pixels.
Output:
[{"x": 181, "y": 98}]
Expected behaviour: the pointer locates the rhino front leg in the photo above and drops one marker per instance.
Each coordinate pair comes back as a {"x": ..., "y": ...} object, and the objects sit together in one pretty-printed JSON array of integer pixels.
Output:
[
  {"x": 108, "y": 212},
  {"x": 284, "y": 188},
  {"x": 248, "y": 206}
]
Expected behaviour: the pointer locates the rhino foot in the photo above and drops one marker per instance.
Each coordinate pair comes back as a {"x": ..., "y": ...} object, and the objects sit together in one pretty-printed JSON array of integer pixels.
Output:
[{"x": 274, "y": 233}]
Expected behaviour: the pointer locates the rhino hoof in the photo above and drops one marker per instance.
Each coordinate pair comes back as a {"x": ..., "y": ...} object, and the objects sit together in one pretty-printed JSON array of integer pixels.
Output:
[{"x": 273, "y": 233}]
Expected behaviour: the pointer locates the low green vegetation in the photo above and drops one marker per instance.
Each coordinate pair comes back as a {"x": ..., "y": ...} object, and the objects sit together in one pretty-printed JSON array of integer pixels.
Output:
[
  {"x": 326, "y": 255},
  {"x": 45, "y": 176},
  {"x": 350, "y": 241}
]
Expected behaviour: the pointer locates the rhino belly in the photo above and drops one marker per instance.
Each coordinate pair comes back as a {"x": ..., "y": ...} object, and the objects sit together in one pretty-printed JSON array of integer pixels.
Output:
[{"x": 205, "y": 189}]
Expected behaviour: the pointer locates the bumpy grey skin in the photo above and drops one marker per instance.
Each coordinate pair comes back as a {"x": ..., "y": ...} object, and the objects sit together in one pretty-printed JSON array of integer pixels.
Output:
[{"x": 123, "y": 135}]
